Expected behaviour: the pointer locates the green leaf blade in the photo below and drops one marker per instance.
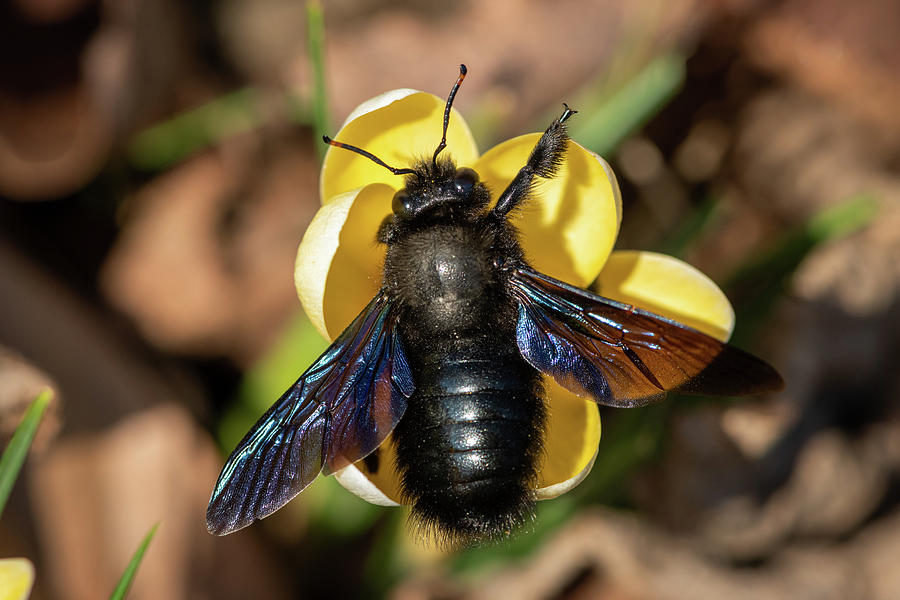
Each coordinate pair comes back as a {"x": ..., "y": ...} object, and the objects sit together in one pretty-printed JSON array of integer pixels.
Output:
[
  {"x": 131, "y": 570},
  {"x": 315, "y": 35},
  {"x": 15, "y": 453}
]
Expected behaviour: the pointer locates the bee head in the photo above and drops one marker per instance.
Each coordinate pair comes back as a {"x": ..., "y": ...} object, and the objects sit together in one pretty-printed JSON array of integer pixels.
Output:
[
  {"x": 440, "y": 190},
  {"x": 437, "y": 188}
]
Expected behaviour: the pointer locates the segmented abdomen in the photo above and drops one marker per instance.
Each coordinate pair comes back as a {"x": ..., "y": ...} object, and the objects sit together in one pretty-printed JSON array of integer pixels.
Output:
[{"x": 468, "y": 444}]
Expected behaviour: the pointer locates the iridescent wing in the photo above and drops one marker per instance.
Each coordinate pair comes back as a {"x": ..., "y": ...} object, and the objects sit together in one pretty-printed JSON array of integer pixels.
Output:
[
  {"x": 620, "y": 355},
  {"x": 338, "y": 412}
]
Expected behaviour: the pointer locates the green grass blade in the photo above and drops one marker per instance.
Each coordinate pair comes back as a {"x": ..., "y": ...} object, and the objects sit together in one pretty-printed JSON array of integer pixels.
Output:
[
  {"x": 603, "y": 128},
  {"x": 169, "y": 142},
  {"x": 315, "y": 35},
  {"x": 131, "y": 570},
  {"x": 14, "y": 455}
]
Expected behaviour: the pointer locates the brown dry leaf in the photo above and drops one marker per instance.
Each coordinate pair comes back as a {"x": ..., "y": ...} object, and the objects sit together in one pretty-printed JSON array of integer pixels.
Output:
[
  {"x": 803, "y": 156},
  {"x": 101, "y": 374},
  {"x": 861, "y": 272},
  {"x": 95, "y": 497},
  {"x": 837, "y": 484},
  {"x": 51, "y": 145},
  {"x": 523, "y": 55},
  {"x": 609, "y": 555},
  {"x": 205, "y": 260},
  {"x": 84, "y": 75},
  {"x": 702, "y": 467},
  {"x": 848, "y": 52},
  {"x": 754, "y": 427}
]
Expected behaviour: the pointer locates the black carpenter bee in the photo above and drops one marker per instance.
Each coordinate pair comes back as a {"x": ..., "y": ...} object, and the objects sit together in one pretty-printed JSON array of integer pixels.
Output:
[{"x": 449, "y": 357}]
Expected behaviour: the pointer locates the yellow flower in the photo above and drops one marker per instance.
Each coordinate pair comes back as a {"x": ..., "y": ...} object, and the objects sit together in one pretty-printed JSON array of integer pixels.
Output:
[
  {"x": 16, "y": 578},
  {"x": 568, "y": 229}
]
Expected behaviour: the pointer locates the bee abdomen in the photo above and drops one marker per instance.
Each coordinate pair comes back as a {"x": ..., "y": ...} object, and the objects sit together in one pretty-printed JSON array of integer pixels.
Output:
[{"x": 468, "y": 444}]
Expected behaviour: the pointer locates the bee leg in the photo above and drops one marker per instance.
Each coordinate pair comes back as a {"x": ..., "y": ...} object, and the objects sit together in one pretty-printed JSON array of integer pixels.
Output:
[
  {"x": 545, "y": 160},
  {"x": 386, "y": 230}
]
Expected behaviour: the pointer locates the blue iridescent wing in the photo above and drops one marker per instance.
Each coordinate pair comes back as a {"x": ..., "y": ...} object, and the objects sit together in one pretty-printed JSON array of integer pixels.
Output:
[
  {"x": 336, "y": 413},
  {"x": 620, "y": 355}
]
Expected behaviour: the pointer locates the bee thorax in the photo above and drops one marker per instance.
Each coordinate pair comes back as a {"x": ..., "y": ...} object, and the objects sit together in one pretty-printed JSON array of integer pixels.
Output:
[{"x": 442, "y": 274}]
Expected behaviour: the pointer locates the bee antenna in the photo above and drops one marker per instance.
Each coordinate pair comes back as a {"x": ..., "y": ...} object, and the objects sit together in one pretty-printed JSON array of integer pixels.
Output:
[
  {"x": 368, "y": 155},
  {"x": 443, "y": 144}
]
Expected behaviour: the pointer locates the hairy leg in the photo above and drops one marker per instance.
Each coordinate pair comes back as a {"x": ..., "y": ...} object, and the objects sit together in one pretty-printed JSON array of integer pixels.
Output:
[{"x": 544, "y": 161}]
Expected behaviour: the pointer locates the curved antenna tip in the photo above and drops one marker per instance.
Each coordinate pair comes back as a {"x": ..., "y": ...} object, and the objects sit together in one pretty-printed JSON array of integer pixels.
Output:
[
  {"x": 326, "y": 139},
  {"x": 462, "y": 75}
]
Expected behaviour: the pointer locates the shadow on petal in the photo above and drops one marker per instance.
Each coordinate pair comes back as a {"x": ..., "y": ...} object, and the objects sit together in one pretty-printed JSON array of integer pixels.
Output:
[
  {"x": 338, "y": 266},
  {"x": 403, "y": 130},
  {"x": 570, "y": 223},
  {"x": 355, "y": 274}
]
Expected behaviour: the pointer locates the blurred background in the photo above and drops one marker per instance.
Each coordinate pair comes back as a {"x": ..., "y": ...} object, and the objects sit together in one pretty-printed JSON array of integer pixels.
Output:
[{"x": 159, "y": 164}]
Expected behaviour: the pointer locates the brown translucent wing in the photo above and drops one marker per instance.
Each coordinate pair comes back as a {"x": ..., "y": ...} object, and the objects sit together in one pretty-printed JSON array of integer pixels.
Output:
[
  {"x": 620, "y": 355},
  {"x": 336, "y": 413}
]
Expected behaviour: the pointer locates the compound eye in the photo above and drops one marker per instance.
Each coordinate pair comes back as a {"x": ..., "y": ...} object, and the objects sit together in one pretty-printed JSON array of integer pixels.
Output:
[
  {"x": 464, "y": 180},
  {"x": 401, "y": 204}
]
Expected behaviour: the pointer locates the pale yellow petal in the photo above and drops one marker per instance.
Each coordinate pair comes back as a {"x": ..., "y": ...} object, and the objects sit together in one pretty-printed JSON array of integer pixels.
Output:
[
  {"x": 570, "y": 441},
  {"x": 16, "y": 578},
  {"x": 667, "y": 286},
  {"x": 357, "y": 482},
  {"x": 399, "y": 127},
  {"x": 339, "y": 263},
  {"x": 381, "y": 486},
  {"x": 570, "y": 223}
]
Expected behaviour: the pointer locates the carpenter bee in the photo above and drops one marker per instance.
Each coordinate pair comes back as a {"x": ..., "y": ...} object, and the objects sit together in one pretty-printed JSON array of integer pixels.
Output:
[{"x": 449, "y": 356}]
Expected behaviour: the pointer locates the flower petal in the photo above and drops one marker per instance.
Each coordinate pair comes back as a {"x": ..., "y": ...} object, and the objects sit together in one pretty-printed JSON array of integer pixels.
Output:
[
  {"x": 570, "y": 441},
  {"x": 669, "y": 287},
  {"x": 570, "y": 225},
  {"x": 16, "y": 578},
  {"x": 399, "y": 127},
  {"x": 339, "y": 263},
  {"x": 381, "y": 486}
]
